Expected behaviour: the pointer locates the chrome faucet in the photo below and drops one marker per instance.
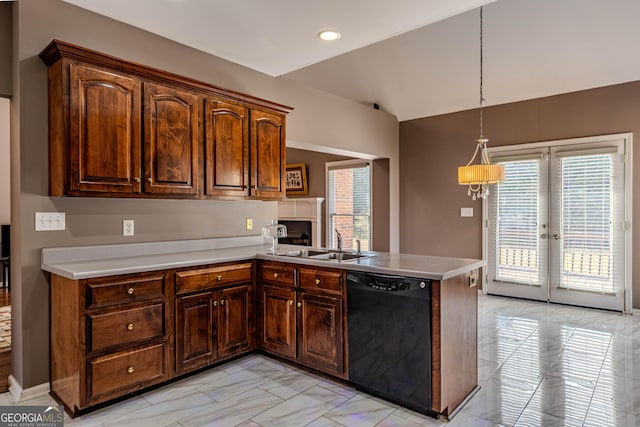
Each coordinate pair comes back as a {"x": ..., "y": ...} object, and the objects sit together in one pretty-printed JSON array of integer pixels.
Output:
[
  {"x": 358, "y": 247},
  {"x": 339, "y": 240}
]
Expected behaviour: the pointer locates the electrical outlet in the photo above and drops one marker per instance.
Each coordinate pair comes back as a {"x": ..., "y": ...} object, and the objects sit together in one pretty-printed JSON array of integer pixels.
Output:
[
  {"x": 127, "y": 227},
  {"x": 249, "y": 223},
  {"x": 50, "y": 221}
]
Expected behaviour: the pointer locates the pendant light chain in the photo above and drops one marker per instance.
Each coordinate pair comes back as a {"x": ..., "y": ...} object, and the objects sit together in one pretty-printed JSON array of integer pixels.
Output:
[{"x": 481, "y": 75}]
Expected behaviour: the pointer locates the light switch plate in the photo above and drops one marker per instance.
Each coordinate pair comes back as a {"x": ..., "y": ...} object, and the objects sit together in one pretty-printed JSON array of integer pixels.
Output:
[
  {"x": 50, "y": 221},
  {"x": 466, "y": 212},
  {"x": 127, "y": 227}
]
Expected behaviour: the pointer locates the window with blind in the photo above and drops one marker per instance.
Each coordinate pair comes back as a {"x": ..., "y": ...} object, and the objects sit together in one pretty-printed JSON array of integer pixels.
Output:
[
  {"x": 589, "y": 209},
  {"x": 516, "y": 215},
  {"x": 349, "y": 203}
]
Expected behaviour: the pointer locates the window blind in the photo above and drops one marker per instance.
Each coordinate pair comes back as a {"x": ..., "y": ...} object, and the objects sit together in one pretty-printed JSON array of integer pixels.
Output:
[
  {"x": 590, "y": 209},
  {"x": 516, "y": 210}
]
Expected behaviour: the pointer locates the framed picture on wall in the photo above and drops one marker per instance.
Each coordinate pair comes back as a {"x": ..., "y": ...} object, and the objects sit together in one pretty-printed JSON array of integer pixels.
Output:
[{"x": 296, "y": 176}]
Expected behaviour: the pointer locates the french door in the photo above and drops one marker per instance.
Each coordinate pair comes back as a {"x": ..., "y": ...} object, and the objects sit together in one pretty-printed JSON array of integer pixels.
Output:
[{"x": 555, "y": 228}]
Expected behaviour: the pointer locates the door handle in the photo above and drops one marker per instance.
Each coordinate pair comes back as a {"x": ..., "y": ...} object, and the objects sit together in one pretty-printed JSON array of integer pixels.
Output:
[{"x": 556, "y": 237}]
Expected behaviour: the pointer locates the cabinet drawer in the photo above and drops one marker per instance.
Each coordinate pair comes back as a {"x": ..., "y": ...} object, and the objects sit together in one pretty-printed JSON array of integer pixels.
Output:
[
  {"x": 207, "y": 278},
  {"x": 125, "y": 327},
  {"x": 276, "y": 273},
  {"x": 125, "y": 370},
  {"x": 124, "y": 291},
  {"x": 329, "y": 281}
]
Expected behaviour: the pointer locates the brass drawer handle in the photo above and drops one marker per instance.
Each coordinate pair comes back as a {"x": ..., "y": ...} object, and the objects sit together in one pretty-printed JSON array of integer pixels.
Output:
[
  {"x": 130, "y": 327},
  {"x": 221, "y": 302},
  {"x": 275, "y": 275},
  {"x": 317, "y": 281},
  {"x": 219, "y": 278},
  {"x": 290, "y": 302},
  {"x": 136, "y": 179},
  {"x": 130, "y": 370},
  {"x": 130, "y": 291},
  {"x": 299, "y": 304}
]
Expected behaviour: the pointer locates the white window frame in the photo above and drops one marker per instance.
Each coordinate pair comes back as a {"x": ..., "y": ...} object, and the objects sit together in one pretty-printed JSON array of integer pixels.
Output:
[
  {"x": 628, "y": 201},
  {"x": 346, "y": 164}
]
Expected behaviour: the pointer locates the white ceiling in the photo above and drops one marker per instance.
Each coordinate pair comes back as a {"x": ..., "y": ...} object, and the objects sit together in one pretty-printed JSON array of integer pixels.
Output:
[{"x": 415, "y": 58}]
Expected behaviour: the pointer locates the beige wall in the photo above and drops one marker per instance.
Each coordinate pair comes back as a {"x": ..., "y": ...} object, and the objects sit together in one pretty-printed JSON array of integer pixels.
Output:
[
  {"x": 5, "y": 49},
  {"x": 318, "y": 117},
  {"x": 432, "y": 148}
]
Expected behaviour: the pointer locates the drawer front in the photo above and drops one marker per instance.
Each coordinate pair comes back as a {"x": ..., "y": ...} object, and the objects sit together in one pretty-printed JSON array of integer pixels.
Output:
[
  {"x": 329, "y": 281},
  {"x": 125, "y": 370},
  {"x": 104, "y": 293},
  {"x": 207, "y": 278},
  {"x": 276, "y": 273},
  {"x": 125, "y": 327}
]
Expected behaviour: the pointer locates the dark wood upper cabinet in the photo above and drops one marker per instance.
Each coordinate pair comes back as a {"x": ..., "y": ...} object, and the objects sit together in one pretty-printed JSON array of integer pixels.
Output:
[
  {"x": 104, "y": 138},
  {"x": 267, "y": 154},
  {"x": 170, "y": 140},
  {"x": 121, "y": 129},
  {"x": 226, "y": 149}
]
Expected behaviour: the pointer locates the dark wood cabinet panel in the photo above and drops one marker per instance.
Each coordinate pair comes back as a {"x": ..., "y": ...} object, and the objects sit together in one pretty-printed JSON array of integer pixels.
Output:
[
  {"x": 236, "y": 329},
  {"x": 226, "y": 149},
  {"x": 320, "y": 332},
  {"x": 195, "y": 343},
  {"x": 171, "y": 135},
  {"x": 267, "y": 154},
  {"x": 121, "y": 129},
  {"x": 104, "y": 140},
  {"x": 278, "y": 320}
]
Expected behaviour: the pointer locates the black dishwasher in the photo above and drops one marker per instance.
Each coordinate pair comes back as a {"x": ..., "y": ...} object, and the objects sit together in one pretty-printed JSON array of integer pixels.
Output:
[{"x": 389, "y": 324}]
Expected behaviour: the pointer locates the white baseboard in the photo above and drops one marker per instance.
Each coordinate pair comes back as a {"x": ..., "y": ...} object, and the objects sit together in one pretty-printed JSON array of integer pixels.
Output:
[{"x": 18, "y": 393}]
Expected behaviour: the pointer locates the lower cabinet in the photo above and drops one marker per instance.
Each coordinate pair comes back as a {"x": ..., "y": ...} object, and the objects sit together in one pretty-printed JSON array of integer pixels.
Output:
[
  {"x": 213, "y": 314},
  {"x": 109, "y": 337},
  {"x": 301, "y": 315}
]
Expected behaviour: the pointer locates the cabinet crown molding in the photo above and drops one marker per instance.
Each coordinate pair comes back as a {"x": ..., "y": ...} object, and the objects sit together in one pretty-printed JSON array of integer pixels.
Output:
[{"x": 58, "y": 49}]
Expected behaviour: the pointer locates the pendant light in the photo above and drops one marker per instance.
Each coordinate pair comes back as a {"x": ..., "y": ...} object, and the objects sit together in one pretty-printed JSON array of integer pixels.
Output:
[{"x": 480, "y": 175}]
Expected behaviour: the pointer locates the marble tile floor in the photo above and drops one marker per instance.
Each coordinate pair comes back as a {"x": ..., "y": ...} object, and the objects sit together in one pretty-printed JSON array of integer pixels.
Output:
[{"x": 539, "y": 365}]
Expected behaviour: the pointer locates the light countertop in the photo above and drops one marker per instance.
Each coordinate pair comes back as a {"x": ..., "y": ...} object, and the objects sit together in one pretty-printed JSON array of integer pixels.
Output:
[{"x": 108, "y": 260}]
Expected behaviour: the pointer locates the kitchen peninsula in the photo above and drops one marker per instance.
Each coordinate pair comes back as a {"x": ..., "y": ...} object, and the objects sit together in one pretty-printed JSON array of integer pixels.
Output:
[{"x": 142, "y": 314}]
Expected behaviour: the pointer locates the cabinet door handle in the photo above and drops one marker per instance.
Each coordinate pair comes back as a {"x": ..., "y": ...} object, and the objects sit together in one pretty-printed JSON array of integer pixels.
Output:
[
  {"x": 130, "y": 370},
  {"x": 215, "y": 303},
  {"x": 275, "y": 275},
  {"x": 130, "y": 327},
  {"x": 136, "y": 179},
  {"x": 130, "y": 291},
  {"x": 149, "y": 180},
  {"x": 221, "y": 302},
  {"x": 299, "y": 304},
  {"x": 317, "y": 281},
  {"x": 219, "y": 278},
  {"x": 290, "y": 302}
]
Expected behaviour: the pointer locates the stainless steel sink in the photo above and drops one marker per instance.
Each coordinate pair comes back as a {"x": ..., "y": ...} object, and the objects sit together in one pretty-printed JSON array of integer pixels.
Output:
[{"x": 321, "y": 254}]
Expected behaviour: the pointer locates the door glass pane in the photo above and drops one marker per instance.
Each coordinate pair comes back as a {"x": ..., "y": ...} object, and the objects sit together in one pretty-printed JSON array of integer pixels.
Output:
[
  {"x": 586, "y": 223},
  {"x": 517, "y": 226}
]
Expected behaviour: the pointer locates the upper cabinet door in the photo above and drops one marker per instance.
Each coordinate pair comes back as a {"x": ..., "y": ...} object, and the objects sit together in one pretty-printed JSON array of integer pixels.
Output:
[
  {"x": 104, "y": 149},
  {"x": 226, "y": 149},
  {"x": 170, "y": 140},
  {"x": 267, "y": 155}
]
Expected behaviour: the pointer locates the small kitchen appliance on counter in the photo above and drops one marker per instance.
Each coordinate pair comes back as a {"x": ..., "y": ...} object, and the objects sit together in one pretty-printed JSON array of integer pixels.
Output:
[{"x": 274, "y": 231}]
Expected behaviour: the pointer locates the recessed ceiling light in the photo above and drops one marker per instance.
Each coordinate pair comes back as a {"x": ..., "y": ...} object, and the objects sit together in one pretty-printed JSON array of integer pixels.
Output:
[{"x": 329, "y": 35}]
